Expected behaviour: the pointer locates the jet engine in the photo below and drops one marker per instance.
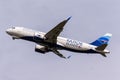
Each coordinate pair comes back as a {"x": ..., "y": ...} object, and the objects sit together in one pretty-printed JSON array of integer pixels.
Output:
[{"x": 41, "y": 49}]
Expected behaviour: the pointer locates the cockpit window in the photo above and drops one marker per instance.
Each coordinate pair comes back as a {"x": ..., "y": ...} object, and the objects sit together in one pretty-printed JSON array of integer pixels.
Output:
[{"x": 13, "y": 27}]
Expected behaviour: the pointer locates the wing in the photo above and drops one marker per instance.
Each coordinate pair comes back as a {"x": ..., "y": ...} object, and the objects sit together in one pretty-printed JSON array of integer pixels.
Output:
[
  {"x": 51, "y": 36},
  {"x": 58, "y": 53}
]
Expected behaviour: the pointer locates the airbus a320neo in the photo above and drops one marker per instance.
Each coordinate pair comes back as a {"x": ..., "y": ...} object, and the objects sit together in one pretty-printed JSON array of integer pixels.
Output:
[{"x": 52, "y": 42}]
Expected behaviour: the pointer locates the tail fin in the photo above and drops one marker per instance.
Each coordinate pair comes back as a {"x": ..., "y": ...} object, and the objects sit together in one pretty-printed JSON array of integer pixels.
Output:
[{"x": 102, "y": 40}]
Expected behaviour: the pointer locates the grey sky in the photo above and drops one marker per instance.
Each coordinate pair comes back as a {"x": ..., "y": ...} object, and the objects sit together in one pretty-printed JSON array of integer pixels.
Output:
[{"x": 90, "y": 19}]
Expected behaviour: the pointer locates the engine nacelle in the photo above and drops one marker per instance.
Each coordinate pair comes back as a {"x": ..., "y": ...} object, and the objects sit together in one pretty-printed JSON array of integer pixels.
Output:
[{"x": 41, "y": 49}]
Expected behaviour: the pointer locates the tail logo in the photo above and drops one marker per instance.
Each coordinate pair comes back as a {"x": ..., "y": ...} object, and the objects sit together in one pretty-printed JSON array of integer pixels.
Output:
[{"x": 104, "y": 41}]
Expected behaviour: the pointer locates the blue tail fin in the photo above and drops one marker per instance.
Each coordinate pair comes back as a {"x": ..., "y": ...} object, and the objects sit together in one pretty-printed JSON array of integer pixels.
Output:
[{"x": 102, "y": 40}]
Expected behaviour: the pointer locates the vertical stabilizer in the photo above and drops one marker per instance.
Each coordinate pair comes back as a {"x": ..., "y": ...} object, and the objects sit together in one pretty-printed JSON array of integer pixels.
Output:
[{"x": 102, "y": 40}]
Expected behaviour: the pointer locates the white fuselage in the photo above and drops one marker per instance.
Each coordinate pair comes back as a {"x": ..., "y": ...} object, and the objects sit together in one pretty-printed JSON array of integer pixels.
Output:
[{"x": 36, "y": 36}]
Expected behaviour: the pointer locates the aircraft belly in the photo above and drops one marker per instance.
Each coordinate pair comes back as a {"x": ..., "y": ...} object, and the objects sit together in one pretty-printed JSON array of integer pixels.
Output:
[
  {"x": 80, "y": 50},
  {"x": 77, "y": 48}
]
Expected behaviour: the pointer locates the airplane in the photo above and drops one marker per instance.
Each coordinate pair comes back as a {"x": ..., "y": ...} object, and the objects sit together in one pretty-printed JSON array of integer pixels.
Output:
[{"x": 52, "y": 42}]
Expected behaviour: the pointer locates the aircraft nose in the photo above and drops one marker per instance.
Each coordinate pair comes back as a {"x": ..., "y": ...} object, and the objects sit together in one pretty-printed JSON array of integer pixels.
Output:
[{"x": 8, "y": 31}]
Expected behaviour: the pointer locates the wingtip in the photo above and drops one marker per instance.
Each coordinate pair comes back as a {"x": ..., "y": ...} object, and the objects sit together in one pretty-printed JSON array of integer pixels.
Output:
[
  {"x": 69, "y": 18},
  {"x": 69, "y": 57}
]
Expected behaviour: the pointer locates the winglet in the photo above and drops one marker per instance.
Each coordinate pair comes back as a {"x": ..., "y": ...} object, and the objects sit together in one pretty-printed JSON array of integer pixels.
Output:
[
  {"x": 69, "y": 18},
  {"x": 58, "y": 53},
  {"x": 69, "y": 57}
]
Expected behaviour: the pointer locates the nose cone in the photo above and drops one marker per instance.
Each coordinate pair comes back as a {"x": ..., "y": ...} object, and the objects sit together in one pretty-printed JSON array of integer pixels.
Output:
[{"x": 8, "y": 31}]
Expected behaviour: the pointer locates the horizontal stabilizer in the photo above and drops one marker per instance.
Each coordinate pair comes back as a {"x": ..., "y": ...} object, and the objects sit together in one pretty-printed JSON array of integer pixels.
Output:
[
  {"x": 102, "y": 47},
  {"x": 103, "y": 54}
]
